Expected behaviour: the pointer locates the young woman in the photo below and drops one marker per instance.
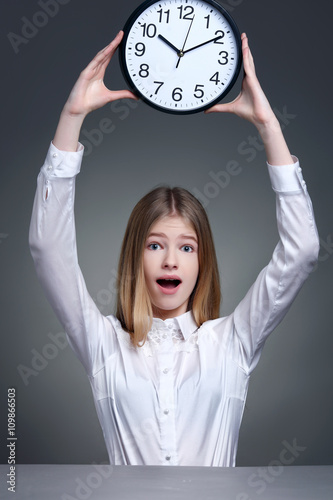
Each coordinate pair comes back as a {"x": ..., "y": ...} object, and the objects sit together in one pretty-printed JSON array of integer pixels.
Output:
[{"x": 169, "y": 377}]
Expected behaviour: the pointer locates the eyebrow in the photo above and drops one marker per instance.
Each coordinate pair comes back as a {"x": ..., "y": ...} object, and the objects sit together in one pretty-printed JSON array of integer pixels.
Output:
[{"x": 181, "y": 236}]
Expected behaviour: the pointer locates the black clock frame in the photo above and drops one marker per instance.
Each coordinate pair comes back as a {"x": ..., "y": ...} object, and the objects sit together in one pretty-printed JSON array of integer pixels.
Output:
[{"x": 122, "y": 58}]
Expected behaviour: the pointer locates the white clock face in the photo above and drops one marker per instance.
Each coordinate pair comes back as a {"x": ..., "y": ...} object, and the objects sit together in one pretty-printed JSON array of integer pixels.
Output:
[{"x": 181, "y": 56}]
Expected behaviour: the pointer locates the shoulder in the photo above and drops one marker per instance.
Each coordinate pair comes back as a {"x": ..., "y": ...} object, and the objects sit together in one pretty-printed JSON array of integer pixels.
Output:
[
  {"x": 113, "y": 320},
  {"x": 218, "y": 329},
  {"x": 120, "y": 336},
  {"x": 217, "y": 324}
]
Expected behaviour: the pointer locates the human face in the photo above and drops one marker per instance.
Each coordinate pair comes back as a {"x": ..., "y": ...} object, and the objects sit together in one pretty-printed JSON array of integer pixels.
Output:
[{"x": 171, "y": 265}]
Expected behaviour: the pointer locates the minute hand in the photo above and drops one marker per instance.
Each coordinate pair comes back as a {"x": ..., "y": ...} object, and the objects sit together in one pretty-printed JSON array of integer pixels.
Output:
[{"x": 204, "y": 43}]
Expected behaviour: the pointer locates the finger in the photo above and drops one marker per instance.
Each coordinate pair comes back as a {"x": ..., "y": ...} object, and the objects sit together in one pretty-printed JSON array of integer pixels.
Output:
[
  {"x": 98, "y": 60},
  {"x": 122, "y": 94},
  {"x": 103, "y": 57},
  {"x": 227, "y": 107},
  {"x": 109, "y": 51},
  {"x": 114, "y": 43},
  {"x": 248, "y": 61},
  {"x": 220, "y": 108},
  {"x": 112, "y": 46}
]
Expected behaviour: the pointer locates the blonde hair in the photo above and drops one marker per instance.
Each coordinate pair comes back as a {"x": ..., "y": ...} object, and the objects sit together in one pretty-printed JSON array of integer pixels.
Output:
[{"x": 134, "y": 309}]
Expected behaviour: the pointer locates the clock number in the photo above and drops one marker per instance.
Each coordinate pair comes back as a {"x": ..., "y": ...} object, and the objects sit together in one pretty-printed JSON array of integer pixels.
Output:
[
  {"x": 166, "y": 12},
  {"x": 182, "y": 10},
  {"x": 159, "y": 86},
  {"x": 144, "y": 73},
  {"x": 208, "y": 18},
  {"x": 225, "y": 59},
  {"x": 176, "y": 94},
  {"x": 199, "y": 91},
  {"x": 140, "y": 48},
  {"x": 215, "y": 78},
  {"x": 221, "y": 34},
  {"x": 149, "y": 30}
]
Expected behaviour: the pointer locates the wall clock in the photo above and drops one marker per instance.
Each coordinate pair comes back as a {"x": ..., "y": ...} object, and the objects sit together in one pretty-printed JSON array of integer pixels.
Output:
[{"x": 180, "y": 56}]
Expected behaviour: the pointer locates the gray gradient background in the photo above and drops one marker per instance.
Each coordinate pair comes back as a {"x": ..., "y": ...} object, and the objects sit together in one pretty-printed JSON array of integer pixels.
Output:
[{"x": 290, "y": 395}]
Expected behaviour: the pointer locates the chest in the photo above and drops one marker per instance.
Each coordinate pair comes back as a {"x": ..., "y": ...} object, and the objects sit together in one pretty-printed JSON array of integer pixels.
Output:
[{"x": 170, "y": 372}]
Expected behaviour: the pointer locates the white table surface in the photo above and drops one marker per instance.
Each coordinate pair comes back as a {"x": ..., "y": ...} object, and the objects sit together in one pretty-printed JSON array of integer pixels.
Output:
[{"x": 83, "y": 482}]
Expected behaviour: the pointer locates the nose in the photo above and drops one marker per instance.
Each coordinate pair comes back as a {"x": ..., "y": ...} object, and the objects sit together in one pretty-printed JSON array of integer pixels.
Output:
[{"x": 170, "y": 260}]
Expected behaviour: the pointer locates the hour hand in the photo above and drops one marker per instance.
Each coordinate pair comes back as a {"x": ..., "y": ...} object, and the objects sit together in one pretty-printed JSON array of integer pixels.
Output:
[{"x": 169, "y": 43}]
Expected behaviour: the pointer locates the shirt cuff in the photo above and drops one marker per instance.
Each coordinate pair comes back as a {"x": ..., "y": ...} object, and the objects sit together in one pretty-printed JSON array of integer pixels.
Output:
[
  {"x": 63, "y": 163},
  {"x": 287, "y": 178}
]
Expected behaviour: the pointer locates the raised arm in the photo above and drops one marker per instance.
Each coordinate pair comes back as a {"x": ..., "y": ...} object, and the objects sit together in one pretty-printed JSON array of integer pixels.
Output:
[
  {"x": 277, "y": 285},
  {"x": 88, "y": 94},
  {"x": 252, "y": 105},
  {"x": 52, "y": 230}
]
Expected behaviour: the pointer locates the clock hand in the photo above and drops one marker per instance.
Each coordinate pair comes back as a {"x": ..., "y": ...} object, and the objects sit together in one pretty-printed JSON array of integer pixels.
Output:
[
  {"x": 201, "y": 44},
  {"x": 181, "y": 53},
  {"x": 169, "y": 43}
]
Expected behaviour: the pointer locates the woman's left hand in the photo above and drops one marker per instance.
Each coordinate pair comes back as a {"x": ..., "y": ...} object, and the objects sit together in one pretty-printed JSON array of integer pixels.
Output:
[{"x": 251, "y": 103}]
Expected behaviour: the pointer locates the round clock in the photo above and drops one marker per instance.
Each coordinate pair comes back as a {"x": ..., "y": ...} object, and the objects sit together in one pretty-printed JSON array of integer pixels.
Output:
[{"x": 181, "y": 56}]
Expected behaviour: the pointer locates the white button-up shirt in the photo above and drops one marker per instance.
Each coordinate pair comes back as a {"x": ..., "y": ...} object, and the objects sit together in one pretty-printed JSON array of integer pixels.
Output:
[{"x": 179, "y": 399}]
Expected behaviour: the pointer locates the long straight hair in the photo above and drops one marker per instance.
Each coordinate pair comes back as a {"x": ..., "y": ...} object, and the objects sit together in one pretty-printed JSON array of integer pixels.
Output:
[{"x": 134, "y": 309}]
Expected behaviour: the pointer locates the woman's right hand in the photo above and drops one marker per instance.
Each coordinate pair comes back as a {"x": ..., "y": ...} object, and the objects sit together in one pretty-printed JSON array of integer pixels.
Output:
[{"x": 89, "y": 93}]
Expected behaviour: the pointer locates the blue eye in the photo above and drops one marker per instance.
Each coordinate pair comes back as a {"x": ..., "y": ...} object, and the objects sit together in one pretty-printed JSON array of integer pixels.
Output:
[
  {"x": 187, "y": 248},
  {"x": 154, "y": 246}
]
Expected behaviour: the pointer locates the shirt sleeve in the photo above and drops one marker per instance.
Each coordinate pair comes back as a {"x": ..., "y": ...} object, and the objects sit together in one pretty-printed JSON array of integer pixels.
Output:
[
  {"x": 276, "y": 287},
  {"x": 52, "y": 241}
]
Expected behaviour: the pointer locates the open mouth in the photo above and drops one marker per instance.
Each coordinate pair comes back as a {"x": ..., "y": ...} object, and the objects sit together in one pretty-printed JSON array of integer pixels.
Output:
[{"x": 168, "y": 284}]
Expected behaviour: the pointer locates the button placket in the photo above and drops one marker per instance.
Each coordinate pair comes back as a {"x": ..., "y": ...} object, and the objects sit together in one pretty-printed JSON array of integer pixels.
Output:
[{"x": 166, "y": 400}]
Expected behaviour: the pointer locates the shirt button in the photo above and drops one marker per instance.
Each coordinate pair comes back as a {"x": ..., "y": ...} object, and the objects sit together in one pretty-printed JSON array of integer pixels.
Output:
[
  {"x": 299, "y": 169},
  {"x": 168, "y": 457},
  {"x": 55, "y": 155},
  {"x": 49, "y": 167},
  {"x": 166, "y": 412},
  {"x": 166, "y": 370},
  {"x": 169, "y": 326}
]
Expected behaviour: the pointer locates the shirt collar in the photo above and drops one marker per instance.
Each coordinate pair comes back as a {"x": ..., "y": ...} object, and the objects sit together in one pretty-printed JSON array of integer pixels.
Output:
[{"x": 185, "y": 322}]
